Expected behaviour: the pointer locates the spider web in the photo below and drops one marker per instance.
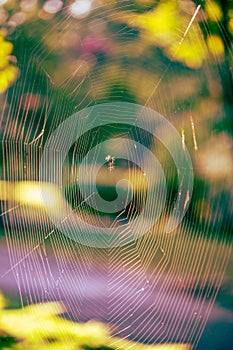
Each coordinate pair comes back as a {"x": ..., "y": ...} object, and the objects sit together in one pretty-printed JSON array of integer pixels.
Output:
[{"x": 156, "y": 288}]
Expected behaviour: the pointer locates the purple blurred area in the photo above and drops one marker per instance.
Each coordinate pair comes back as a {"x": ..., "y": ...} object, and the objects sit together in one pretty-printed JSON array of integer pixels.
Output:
[{"x": 86, "y": 293}]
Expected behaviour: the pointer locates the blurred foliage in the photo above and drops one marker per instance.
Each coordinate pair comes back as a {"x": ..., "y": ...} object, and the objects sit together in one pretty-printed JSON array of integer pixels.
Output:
[
  {"x": 160, "y": 24},
  {"x": 161, "y": 27},
  {"x": 39, "y": 326},
  {"x": 8, "y": 72}
]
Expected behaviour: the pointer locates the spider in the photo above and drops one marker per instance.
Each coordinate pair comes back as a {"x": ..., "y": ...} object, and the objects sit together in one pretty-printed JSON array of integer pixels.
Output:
[{"x": 110, "y": 160}]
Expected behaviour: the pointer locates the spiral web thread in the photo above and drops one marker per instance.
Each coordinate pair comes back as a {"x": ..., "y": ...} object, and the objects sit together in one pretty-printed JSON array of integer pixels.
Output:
[{"x": 159, "y": 288}]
